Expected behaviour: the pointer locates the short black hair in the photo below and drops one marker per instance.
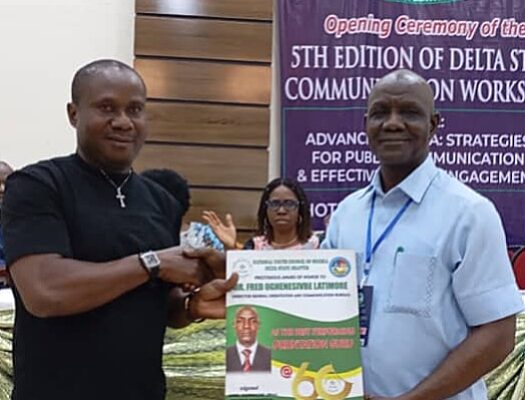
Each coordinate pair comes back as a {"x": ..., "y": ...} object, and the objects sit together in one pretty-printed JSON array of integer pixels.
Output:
[
  {"x": 174, "y": 183},
  {"x": 93, "y": 68},
  {"x": 304, "y": 230}
]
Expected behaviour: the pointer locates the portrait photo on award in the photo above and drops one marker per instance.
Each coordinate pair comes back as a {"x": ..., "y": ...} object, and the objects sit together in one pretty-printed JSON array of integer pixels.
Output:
[{"x": 247, "y": 354}]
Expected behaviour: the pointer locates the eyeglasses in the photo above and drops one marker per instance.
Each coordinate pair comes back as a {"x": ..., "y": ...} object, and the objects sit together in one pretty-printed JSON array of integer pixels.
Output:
[{"x": 288, "y": 204}]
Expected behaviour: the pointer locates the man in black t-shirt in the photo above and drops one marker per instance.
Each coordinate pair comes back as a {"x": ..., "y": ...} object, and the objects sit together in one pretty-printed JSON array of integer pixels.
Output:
[{"x": 90, "y": 246}]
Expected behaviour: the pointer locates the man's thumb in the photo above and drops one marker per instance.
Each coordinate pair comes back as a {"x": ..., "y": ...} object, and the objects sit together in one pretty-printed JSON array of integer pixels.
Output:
[{"x": 230, "y": 283}]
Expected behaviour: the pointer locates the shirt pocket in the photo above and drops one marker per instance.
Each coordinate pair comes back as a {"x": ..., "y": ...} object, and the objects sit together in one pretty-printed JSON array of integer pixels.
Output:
[{"x": 412, "y": 287}]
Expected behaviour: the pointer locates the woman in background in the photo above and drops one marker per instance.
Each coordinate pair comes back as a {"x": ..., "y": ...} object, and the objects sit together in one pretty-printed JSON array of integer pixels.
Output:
[{"x": 283, "y": 220}]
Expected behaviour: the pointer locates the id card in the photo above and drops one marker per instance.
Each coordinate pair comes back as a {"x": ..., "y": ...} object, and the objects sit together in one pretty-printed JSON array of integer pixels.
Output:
[{"x": 366, "y": 294}]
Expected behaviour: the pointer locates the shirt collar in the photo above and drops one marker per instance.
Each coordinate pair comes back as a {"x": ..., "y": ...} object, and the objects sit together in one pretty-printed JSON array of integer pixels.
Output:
[
  {"x": 252, "y": 348},
  {"x": 414, "y": 185}
]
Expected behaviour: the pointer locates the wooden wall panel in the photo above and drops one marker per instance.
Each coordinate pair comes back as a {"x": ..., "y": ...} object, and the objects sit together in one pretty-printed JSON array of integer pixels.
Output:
[
  {"x": 209, "y": 166},
  {"x": 207, "y": 66},
  {"x": 240, "y": 9},
  {"x": 206, "y": 81},
  {"x": 202, "y": 38},
  {"x": 208, "y": 123},
  {"x": 240, "y": 203}
]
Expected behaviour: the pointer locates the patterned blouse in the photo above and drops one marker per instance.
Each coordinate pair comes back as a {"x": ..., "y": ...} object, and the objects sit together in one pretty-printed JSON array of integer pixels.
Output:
[{"x": 261, "y": 243}]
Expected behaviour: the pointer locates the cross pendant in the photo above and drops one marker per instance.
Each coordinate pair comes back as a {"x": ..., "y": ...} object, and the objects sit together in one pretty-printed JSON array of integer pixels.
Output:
[{"x": 120, "y": 197}]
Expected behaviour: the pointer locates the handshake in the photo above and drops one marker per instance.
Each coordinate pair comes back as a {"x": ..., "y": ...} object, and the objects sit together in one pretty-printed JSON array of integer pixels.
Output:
[{"x": 202, "y": 272}]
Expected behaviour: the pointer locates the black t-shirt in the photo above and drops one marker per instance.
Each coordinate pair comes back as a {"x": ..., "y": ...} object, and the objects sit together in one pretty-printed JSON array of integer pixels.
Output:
[{"x": 68, "y": 207}]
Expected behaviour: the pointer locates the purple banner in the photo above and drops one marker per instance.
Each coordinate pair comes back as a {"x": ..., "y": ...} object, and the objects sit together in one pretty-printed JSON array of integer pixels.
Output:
[{"x": 471, "y": 52}]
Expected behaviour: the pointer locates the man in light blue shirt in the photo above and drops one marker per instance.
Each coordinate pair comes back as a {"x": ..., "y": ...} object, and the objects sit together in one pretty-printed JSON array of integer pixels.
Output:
[{"x": 444, "y": 297}]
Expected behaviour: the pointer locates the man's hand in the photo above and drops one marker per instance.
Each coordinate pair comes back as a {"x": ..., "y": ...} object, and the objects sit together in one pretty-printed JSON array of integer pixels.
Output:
[
  {"x": 226, "y": 232},
  {"x": 213, "y": 259},
  {"x": 175, "y": 267},
  {"x": 210, "y": 300}
]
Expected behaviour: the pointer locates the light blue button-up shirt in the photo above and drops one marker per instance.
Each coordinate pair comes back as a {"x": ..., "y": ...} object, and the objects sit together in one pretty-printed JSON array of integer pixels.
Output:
[{"x": 442, "y": 269}]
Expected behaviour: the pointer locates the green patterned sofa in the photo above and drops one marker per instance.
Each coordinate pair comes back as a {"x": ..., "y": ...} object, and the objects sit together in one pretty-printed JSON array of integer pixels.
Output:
[{"x": 194, "y": 362}]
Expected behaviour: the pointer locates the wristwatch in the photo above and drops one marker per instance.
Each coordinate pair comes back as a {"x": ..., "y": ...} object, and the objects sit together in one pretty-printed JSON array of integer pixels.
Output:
[{"x": 150, "y": 261}]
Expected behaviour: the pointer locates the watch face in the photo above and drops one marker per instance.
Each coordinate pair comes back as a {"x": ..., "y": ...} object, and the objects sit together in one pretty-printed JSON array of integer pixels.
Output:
[{"x": 150, "y": 259}]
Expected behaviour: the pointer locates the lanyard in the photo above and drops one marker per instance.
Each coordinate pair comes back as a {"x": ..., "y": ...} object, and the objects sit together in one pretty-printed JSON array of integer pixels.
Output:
[{"x": 371, "y": 249}]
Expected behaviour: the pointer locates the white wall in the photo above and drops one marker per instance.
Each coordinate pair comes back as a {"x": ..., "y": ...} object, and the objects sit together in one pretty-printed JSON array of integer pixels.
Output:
[{"x": 42, "y": 44}]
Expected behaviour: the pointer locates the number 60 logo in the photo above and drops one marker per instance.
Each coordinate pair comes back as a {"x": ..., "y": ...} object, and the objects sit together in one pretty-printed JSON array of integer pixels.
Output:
[{"x": 317, "y": 384}]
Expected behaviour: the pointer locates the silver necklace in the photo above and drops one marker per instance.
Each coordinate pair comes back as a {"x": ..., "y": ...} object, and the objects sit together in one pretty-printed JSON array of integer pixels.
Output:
[{"x": 119, "y": 196}]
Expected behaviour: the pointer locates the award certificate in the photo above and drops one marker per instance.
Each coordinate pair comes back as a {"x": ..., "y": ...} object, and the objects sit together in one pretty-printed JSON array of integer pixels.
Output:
[{"x": 293, "y": 326}]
